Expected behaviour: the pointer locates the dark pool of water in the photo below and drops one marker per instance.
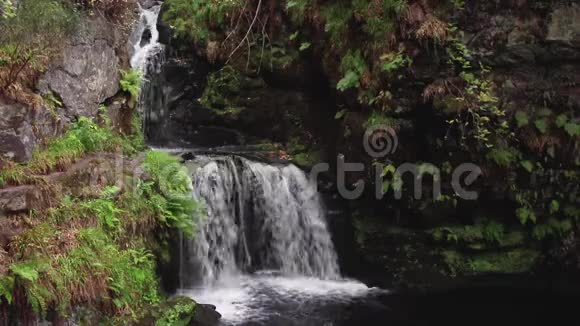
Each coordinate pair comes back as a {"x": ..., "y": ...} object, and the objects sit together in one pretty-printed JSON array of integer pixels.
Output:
[{"x": 269, "y": 300}]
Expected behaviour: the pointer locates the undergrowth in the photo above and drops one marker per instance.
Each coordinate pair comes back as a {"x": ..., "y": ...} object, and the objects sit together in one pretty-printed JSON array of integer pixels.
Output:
[
  {"x": 98, "y": 252},
  {"x": 83, "y": 137}
]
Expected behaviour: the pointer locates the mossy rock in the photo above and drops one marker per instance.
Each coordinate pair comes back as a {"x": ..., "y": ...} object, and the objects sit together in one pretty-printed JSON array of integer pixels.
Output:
[
  {"x": 307, "y": 159},
  {"x": 182, "y": 311},
  {"x": 516, "y": 261}
]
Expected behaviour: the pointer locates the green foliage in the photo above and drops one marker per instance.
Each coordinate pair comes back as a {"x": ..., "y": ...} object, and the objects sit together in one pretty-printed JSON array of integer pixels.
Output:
[
  {"x": 352, "y": 66},
  {"x": 297, "y": 9},
  {"x": 336, "y": 16},
  {"x": 193, "y": 18},
  {"x": 492, "y": 233},
  {"x": 522, "y": 119},
  {"x": 526, "y": 214},
  {"x": 573, "y": 129},
  {"x": 379, "y": 17},
  {"x": 394, "y": 61},
  {"x": 561, "y": 120},
  {"x": 7, "y": 9},
  {"x": 6, "y": 288},
  {"x": 391, "y": 179},
  {"x": 221, "y": 85},
  {"x": 305, "y": 46},
  {"x": 528, "y": 166},
  {"x": 87, "y": 253},
  {"x": 378, "y": 119},
  {"x": 458, "y": 4},
  {"x": 541, "y": 125},
  {"x": 84, "y": 137},
  {"x": 179, "y": 314},
  {"x": 176, "y": 207},
  {"x": 340, "y": 114},
  {"x": 503, "y": 156},
  {"x": 131, "y": 81},
  {"x": 552, "y": 228},
  {"x": 515, "y": 261},
  {"x": 30, "y": 35},
  {"x": 479, "y": 112}
]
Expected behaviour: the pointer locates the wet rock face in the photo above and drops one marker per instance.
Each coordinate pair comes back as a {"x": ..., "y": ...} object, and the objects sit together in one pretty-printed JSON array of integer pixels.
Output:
[
  {"x": 85, "y": 75},
  {"x": 16, "y": 137},
  {"x": 147, "y": 4},
  {"x": 22, "y": 128},
  {"x": 88, "y": 72}
]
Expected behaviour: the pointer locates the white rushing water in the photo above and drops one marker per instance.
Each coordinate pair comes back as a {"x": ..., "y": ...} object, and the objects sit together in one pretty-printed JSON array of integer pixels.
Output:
[
  {"x": 148, "y": 57},
  {"x": 144, "y": 50},
  {"x": 264, "y": 252},
  {"x": 260, "y": 218}
]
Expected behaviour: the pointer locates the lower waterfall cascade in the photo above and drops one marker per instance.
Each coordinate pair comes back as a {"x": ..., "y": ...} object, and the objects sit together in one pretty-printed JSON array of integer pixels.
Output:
[
  {"x": 264, "y": 244},
  {"x": 259, "y": 217}
]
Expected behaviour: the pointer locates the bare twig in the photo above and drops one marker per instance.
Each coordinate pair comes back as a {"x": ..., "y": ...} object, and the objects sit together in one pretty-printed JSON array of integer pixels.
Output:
[{"x": 248, "y": 31}]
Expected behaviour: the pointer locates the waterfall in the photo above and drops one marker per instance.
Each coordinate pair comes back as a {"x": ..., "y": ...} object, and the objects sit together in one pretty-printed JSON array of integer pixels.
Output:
[
  {"x": 145, "y": 38},
  {"x": 148, "y": 56},
  {"x": 260, "y": 217}
]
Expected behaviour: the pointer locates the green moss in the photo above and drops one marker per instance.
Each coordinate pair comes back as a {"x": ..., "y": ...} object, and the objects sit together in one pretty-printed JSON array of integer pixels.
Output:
[
  {"x": 222, "y": 88},
  {"x": 180, "y": 311},
  {"x": 511, "y": 262},
  {"x": 470, "y": 234},
  {"x": 515, "y": 261}
]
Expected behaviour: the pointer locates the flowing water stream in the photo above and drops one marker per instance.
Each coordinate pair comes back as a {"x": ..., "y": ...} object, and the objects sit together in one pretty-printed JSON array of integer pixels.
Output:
[{"x": 264, "y": 254}]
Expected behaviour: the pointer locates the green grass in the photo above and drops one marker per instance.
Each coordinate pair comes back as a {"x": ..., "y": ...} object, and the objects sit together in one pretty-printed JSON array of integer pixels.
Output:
[{"x": 83, "y": 137}]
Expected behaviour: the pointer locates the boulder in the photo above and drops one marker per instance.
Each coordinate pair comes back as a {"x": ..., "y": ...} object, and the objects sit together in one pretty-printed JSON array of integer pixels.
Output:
[
  {"x": 18, "y": 199},
  {"x": 22, "y": 128},
  {"x": 87, "y": 72},
  {"x": 17, "y": 139}
]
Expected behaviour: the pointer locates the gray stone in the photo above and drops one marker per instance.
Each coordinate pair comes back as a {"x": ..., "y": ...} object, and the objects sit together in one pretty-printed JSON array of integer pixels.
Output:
[
  {"x": 564, "y": 24},
  {"x": 18, "y": 199},
  {"x": 146, "y": 4},
  {"x": 88, "y": 71},
  {"x": 17, "y": 140}
]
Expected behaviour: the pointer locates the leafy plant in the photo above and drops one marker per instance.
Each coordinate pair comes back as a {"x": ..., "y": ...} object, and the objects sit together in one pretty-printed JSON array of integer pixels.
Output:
[
  {"x": 131, "y": 81},
  {"x": 503, "y": 156},
  {"x": 29, "y": 37},
  {"x": 175, "y": 207},
  {"x": 573, "y": 129},
  {"x": 526, "y": 214},
  {"x": 541, "y": 125},
  {"x": 194, "y": 18},
  {"x": 305, "y": 46},
  {"x": 352, "y": 66},
  {"x": 394, "y": 61},
  {"x": 522, "y": 119}
]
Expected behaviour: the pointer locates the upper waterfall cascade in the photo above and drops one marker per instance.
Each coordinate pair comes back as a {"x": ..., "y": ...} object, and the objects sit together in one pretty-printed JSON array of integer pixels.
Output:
[{"x": 143, "y": 49}]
